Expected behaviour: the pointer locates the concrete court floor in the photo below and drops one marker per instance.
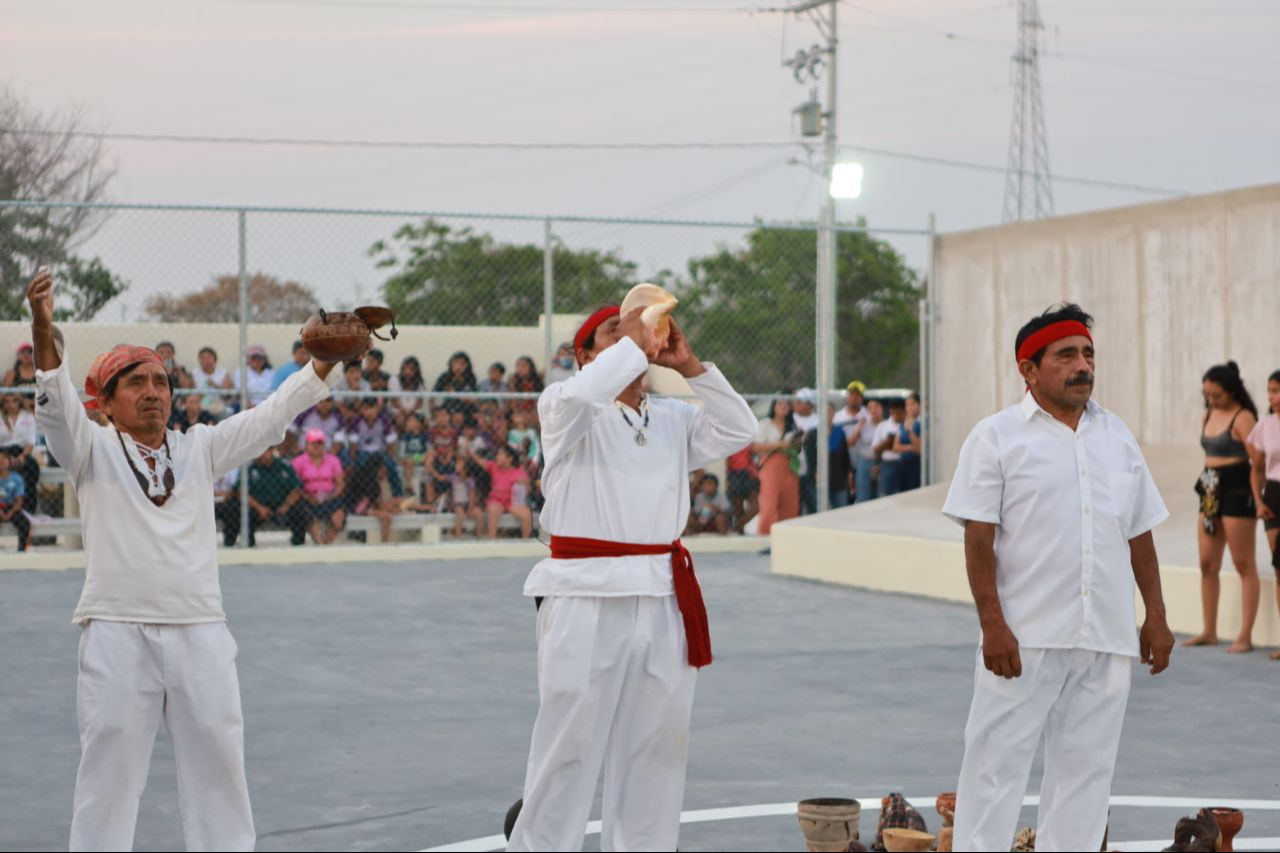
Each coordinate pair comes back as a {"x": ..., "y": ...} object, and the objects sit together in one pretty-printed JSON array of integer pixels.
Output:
[{"x": 388, "y": 707}]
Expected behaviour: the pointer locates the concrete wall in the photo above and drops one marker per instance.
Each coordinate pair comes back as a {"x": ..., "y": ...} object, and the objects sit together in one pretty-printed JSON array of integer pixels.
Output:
[{"x": 1174, "y": 287}]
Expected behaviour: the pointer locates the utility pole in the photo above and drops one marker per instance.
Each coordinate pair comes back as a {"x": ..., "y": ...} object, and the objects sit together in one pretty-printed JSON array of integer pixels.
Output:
[
  {"x": 809, "y": 65},
  {"x": 1028, "y": 192}
]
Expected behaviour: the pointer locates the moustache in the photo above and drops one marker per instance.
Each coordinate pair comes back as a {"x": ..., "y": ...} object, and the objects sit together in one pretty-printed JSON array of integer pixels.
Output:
[{"x": 1080, "y": 379}]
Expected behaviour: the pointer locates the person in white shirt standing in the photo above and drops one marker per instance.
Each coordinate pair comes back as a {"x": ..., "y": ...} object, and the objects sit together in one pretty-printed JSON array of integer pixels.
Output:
[
  {"x": 155, "y": 643},
  {"x": 1058, "y": 507},
  {"x": 621, "y": 625}
]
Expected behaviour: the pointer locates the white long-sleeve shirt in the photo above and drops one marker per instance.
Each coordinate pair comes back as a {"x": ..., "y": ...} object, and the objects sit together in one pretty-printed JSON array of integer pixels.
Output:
[
  {"x": 600, "y": 484},
  {"x": 148, "y": 563}
]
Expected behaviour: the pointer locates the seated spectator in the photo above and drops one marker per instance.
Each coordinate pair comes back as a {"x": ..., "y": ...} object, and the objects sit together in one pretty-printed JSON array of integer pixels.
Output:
[
  {"x": 464, "y": 499},
  {"x": 323, "y": 485},
  {"x": 257, "y": 376},
  {"x": 408, "y": 380},
  {"x": 210, "y": 378},
  {"x": 459, "y": 378},
  {"x": 442, "y": 434},
  {"x": 744, "y": 487},
  {"x": 523, "y": 437},
  {"x": 371, "y": 493},
  {"x": 178, "y": 375},
  {"x": 562, "y": 367},
  {"x": 188, "y": 411},
  {"x": 18, "y": 436},
  {"x": 496, "y": 383},
  {"x": 13, "y": 500},
  {"x": 710, "y": 510},
  {"x": 414, "y": 444},
  {"x": 226, "y": 499},
  {"x": 300, "y": 359},
  {"x": 525, "y": 380},
  {"x": 323, "y": 416},
  {"x": 473, "y": 439},
  {"x": 275, "y": 496},
  {"x": 352, "y": 382},
  {"x": 373, "y": 372},
  {"x": 440, "y": 467},
  {"x": 23, "y": 373},
  {"x": 508, "y": 490},
  {"x": 371, "y": 435}
]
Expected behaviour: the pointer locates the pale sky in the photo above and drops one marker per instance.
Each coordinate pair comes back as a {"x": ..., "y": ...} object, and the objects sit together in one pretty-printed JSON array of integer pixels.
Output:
[{"x": 1181, "y": 94}]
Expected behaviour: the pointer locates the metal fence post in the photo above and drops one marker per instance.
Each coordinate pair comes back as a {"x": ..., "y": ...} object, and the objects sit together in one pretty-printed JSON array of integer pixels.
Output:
[
  {"x": 242, "y": 216},
  {"x": 548, "y": 294}
]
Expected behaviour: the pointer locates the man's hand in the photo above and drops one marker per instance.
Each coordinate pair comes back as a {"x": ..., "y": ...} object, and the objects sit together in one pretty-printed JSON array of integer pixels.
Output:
[
  {"x": 40, "y": 297},
  {"x": 1000, "y": 650},
  {"x": 633, "y": 327},
  {"x": 1156, "y": 643},
  {"x": 1264, "y": 512},
  {"x": 677, "y": 355}
]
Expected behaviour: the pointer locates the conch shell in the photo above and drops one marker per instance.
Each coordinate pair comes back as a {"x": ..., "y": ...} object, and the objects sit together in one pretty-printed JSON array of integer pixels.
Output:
[{"x": 657, "y": 304}]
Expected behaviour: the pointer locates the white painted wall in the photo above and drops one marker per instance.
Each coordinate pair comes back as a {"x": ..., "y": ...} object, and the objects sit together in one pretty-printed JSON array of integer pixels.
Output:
[{"x": 1174, "y": 287}]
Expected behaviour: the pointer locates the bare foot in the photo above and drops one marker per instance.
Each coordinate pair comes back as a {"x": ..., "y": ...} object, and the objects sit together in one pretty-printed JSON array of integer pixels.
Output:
[
  {"x": 1201, "y": 640},
  {"x": 1240, "y": 647},
  {"x": 1274, "y": 656}
]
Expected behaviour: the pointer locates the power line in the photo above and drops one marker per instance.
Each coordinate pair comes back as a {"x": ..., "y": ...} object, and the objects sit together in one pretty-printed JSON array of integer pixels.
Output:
[
  {"x": 561, "y": 146},
  {"x": 426, "y": 5}
]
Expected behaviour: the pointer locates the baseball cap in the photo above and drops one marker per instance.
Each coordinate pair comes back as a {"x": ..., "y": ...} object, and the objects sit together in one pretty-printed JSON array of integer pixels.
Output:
[{"x": 316, "y": 435}]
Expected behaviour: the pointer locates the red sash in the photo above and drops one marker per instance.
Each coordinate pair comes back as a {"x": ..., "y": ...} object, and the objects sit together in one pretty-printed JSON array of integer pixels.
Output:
[{"x": 688, "y": 593}]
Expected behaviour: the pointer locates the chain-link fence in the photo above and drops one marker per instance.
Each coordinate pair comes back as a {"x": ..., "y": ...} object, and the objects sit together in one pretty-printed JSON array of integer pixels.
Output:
[{"x": 486, "y": 307}]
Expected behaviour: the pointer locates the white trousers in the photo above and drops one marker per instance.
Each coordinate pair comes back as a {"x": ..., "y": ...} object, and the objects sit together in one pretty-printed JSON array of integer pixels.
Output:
[
  {"x": 132, "y": 675},
  {"x": 615, "y": 688},
  {"x": 1075, "y": 699}
]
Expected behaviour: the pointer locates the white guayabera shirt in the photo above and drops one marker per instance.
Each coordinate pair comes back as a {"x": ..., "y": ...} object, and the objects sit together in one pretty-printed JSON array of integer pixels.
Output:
[{"x": 1067, "y": 505}]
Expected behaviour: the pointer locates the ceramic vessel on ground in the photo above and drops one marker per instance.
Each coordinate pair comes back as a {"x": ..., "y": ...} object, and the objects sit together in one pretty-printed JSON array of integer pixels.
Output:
[
  {"x": 829, "y": 824},
  {"x": 909, "y": 840},
  {"x": 1229, "y": 823}
]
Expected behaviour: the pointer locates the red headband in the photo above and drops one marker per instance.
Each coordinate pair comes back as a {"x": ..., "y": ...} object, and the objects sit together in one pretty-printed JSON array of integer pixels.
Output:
[
  {"x": 593, "y": 323},
  {"x": 1051, "y": 334},
  {"x": 110, "y": 364}
]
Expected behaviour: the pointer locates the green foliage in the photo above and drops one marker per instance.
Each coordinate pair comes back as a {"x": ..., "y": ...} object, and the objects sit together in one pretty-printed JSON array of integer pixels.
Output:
[
  {"x": 453, "y": 276},
  {"x": 750, "y": 309}
]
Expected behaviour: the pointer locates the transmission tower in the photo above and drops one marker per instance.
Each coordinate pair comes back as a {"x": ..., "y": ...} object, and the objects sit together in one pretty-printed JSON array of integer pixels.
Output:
[{"x": 1028, "y": 192}]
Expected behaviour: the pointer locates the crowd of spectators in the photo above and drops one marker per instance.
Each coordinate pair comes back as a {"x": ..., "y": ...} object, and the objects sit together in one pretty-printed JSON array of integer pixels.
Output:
[
  {"x": 381, "y": 446},
  {"x": 875, "y": 447}
]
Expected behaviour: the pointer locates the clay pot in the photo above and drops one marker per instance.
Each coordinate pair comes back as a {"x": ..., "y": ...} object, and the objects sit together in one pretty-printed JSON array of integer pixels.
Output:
[
  {"x": 829, "y": 824},
  {"x": 344, "y": 336},
  {"x": 1229, "y": 823},
  {"x": 910, "y": 840},
  {"x": 946, "y": 806}
]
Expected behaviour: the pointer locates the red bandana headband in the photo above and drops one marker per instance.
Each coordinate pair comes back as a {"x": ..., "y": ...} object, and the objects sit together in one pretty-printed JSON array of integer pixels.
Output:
[
  {"x": 110, "y": 364},
  {"x": 1051, "y": 334},
  {"x": 593, "y": 322}
]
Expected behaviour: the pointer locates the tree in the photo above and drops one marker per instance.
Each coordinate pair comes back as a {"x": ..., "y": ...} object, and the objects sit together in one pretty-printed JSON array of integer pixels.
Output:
[
  {"x": 751, "y": 310},
  {"x": 46, "y": 157},
  {"x": 270, "y": 301},
  {"x": 445, "y": 276}
]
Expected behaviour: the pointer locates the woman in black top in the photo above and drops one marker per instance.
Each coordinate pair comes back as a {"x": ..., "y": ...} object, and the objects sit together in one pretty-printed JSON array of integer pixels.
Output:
[
  {"x": 1228, "y": 514},
  {"x": 459, "y": 377}
]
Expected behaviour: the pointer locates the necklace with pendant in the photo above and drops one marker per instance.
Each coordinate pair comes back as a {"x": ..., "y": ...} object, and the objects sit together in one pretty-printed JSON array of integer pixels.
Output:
[{"x": 641, "y": 439}]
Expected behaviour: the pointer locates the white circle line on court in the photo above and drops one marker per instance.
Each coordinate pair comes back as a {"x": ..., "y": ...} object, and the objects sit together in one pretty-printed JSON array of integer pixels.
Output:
[{"x": 499, "y": 842}]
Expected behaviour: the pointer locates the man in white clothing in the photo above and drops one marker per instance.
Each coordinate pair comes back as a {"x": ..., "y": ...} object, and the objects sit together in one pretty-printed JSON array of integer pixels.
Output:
[
  {"x": 155, "y": 642},
  {"x": 621, "y": 628},
  {"x": 1058, "y": 507}
]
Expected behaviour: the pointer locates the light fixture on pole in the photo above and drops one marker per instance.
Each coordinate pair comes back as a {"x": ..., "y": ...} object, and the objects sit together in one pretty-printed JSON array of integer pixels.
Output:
[{"x": 846, "y": 180}]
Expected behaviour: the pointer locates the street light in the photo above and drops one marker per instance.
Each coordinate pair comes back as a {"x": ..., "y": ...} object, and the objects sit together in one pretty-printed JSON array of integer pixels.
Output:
[{"x": 846, "y": 180}]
